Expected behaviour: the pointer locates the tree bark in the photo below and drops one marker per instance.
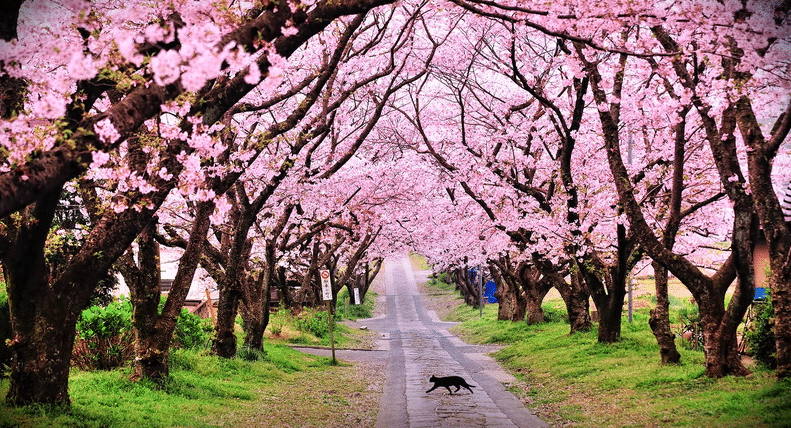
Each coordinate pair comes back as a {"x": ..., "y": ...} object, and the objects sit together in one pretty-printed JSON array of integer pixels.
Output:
[
  {"x": 464, "y": 285},
  {"x": 144, "y": 281},
  {"x": 535, "y": 289},
  {"x": 511, "y": 303},
  {"x": 255, "y": 311},
  {"x": 154, "y": 331},
  {"x": 42, "y": 318},
  {"x": 227, "y": 307},
  {"x": 608, "y": 294},
  {"x": 576, "y": 297},
  {"x": 776, "y": 230},
  {"x": 367, "y": 278},
  {"x": 660, "y": 318}
]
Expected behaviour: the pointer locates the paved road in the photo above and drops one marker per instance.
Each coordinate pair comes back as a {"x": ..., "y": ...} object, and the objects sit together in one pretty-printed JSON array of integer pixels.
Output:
[{"x": 420, "y": 346}]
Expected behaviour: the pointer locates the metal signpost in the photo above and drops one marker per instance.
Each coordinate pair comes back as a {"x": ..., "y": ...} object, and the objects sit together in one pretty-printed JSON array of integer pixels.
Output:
[{"x": 326, "y": 291}]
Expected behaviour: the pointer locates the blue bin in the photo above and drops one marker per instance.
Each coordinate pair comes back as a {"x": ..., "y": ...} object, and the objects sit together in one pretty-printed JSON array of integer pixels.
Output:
[{"x": 488, "y": 292}]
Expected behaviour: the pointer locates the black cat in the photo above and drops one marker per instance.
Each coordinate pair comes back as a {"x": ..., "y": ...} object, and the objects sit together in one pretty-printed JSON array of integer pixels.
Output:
[{"x": 449, "y": 381}]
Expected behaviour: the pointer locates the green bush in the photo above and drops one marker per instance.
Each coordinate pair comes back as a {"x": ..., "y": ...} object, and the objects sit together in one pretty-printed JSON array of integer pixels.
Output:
[
  {"x": 313, "y": 321},
  {"x": 192, "y": 331},
  {"x": 106, "y": 321},
  {"x": 105, "y": 337},
  {"x": 348, "y": 311},
  {"x": 760, "y": 334}
]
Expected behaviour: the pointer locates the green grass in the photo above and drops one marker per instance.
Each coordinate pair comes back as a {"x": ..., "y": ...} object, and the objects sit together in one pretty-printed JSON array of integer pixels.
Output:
[
  {"x": 576, "y": 380},
  {"x": 202, "y": 390},
  {"x": 282, "y": 326}
]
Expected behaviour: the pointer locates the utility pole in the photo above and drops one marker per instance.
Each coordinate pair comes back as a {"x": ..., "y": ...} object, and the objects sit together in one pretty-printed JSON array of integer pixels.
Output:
[
  {"x": 480, "y": 291},
  {"x": 630, "y": 278}
]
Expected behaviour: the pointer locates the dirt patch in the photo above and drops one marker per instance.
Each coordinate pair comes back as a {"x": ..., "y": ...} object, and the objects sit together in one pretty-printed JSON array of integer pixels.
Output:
[
  {"x": 443, "y": 302},
  {"x": 345, "y": 396}
]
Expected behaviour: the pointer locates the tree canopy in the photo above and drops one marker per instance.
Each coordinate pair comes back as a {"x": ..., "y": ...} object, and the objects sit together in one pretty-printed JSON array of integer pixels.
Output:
[{"x": 581, "y": 140}]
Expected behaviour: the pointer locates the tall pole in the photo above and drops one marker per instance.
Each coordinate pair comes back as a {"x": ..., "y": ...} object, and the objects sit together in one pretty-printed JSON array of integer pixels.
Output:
[
  {"x": 629, "y": 278},
  {"x": 480, "y": 291},
  {"x": 327, "y": 295},
  {"x": 631, "y": 302}
]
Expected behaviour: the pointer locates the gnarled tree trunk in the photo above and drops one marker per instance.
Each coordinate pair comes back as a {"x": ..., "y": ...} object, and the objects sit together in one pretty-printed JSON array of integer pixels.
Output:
[
  {"x": 660, "y": 318},
  {"x": 576, "y": 297},
  {"x": 535, "y": 288},
  {"x": 511, "y": 303},
  {"x": 43, "y": 314},
  {"x": 154, "y": 331}
]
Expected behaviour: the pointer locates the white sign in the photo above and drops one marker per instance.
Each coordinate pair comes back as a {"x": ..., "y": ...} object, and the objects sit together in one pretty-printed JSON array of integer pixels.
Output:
[
  {"x": 326, "y": 288},
  {"x": 356, "y": 296}
]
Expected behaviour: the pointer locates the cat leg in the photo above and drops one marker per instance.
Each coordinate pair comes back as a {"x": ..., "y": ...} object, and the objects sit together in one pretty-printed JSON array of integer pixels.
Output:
[{"x": 433, "y": 388}]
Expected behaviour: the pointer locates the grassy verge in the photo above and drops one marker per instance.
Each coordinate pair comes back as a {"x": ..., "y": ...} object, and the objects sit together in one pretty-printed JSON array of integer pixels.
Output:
[
  {"x": 571, "y": 380},
  {"x": 311, "y": 328},
  {"x": 282, "y": 388},
  {"x": 205, "y": 391}
]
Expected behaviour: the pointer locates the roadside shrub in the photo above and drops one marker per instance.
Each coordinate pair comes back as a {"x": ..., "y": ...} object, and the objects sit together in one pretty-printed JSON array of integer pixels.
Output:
[
  {"x": 192, "y": 331},
  {"x": 441, "y": 282},
  {"x": 105, "y": 337},
  {"x": 313, "y": 321},
  {"x": 760, "y": 334},
  {"x": 348, "y": 311}
]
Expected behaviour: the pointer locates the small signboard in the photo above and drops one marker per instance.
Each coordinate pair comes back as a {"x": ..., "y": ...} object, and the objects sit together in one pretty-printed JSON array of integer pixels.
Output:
[
  {"x": 326, "y": 288},
  {"x": 356, "y": 296}
]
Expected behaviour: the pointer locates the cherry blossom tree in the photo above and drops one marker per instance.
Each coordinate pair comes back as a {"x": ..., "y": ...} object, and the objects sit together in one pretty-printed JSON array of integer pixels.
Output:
[
  {"x": 92, "y": 104},
  {"x": 510, "y": 117}
]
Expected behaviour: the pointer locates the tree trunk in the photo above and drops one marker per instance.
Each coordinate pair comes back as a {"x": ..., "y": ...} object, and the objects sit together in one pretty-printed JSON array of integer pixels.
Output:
[
  {"x": 255, "y": 311},
  {"x": 610, "y": 320},
  {"x": 609, "y": 302},
  {"x": 40, "y": 367},
  {"x": 154, "y": 331},
  {"x": 719, "y": 344},
  {"x": 781, "y": 300},
  {"x": 576, "y": 297},
  {"x": 227, "y": 308},
  {"x": 43, "y": 318},
  {"x": 660, "y": 318},
  {"x": 230, "y": 286},
  {"x": 511, "y": 303},
  {"x": 143, "y": 279},
  {"x": 535, "y": 314},
  {"x": 368, "y": 277},
  {"x": 464, "y": 285},
  {"x": 535, "y": 288}
]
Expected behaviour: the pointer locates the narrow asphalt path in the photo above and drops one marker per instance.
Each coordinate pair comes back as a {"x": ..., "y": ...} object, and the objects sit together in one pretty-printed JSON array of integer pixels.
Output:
[{"x": 419, "y": 346}]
